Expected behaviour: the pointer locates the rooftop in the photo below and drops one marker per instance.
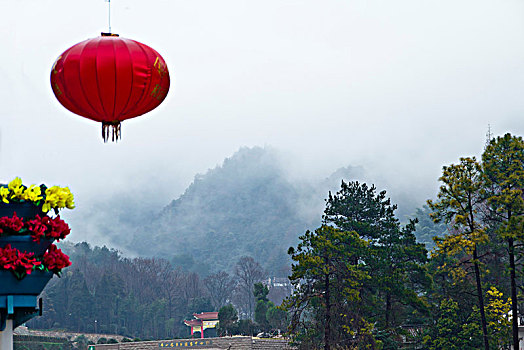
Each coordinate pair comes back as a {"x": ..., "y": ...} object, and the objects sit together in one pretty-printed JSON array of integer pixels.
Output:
[{"x": 206, "y": 316}]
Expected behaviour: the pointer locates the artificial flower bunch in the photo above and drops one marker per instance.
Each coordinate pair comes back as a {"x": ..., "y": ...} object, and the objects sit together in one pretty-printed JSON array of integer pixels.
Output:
[
  {"x": 36, "y": 226},
  {"x": 57, "y": 198},
  {"x": 39, "y": 227},
  {"x": 23, "y": 263},
  {"x": 11, "y": 225},
  {"x": 54, "y": 260},
  {"x": 54, "y": 197},
  {"x": 46, "y": 227}
]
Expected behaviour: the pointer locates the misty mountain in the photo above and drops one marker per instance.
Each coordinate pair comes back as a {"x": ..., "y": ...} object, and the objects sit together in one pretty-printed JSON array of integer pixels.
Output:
[{"x": 246, "y": 206}]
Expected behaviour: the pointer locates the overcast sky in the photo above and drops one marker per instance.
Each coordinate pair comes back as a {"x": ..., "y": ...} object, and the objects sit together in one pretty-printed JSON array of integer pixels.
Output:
[{"x": 400, "y": 87}]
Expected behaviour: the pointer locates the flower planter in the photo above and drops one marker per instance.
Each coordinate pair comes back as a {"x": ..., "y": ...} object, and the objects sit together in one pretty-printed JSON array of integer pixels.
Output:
[
  {"x": 26, "y": 244},
  {"x": 18, "y": 250},
  {"x": 32, "y": 284},
  {"x": 26, "y": 210}
]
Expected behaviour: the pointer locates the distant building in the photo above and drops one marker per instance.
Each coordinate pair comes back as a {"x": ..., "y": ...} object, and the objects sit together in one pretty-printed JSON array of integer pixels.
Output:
[
  {"x": 203, "y": 321},
  {"x": 279, "y": 289},
  {"x": 521, "y": 332}
]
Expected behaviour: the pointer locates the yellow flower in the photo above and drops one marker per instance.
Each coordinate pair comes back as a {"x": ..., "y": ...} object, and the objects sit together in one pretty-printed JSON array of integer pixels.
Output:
[
  {"x": 70, "y": 199},
  {"x": 58, "y": 197},
  {"x": 16, "y": 188},
  {"x": 51, "y": 198},
  {"x": 55, "y": 197},
  {"x": 46, "y": 207},
  {"x": 32, "y": 194},
  {"x": 18, "y": 192},
  {"x": 4, "y": 194},
  {"x": 17, "y": 182}
]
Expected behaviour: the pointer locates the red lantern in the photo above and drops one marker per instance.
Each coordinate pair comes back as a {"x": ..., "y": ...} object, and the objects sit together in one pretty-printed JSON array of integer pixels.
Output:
[{"x": 109, "y": 79}]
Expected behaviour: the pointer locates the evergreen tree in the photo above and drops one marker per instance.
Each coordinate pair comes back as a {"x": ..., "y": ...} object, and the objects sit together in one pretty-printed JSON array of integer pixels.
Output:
[
  {"x": 262, "y": 304},
  {"x": 460, "y": 202},
  {"x": 325, "y": 308},
  {"x": 503, "y": 168},
  {"x": 107, "y": 295},
  {"x": 80, "y": 307},
  {"x": 357, "y": 207},
  {"x": 450, "y": 330},
  {"x": 393, "y": 258},
  {"x": 426, "y": 228},
  {"x": 227, "y": 318},
  {"x": 277, "y": 318}
]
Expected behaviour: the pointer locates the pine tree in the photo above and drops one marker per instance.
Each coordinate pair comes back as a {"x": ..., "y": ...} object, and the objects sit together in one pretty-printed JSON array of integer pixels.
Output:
[
  {"x": 460, "y": 203},
  {"x": 393, "y": 258},
  {"x": 227, "y": 318},
  {"x": 81, "y": 303},
  {"x": 262, "y": 304},
  {"x": 325, "y": 308},
  {"x": 503, "y": 168}
]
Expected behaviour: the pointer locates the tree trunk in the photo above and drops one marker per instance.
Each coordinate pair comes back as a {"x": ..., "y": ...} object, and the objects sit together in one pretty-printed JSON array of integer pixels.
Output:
[
  {"x": 327, "y": 325},
  {"x": 388, "y": 308},
  {"x": 514, "y": 301},
  {"x": 481, "y": 300}
]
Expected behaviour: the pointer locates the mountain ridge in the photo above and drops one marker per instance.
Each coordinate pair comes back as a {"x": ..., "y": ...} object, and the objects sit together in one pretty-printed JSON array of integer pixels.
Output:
[
  {"x": 245, "y": 206},
  {"x": 248, "y": 205}
]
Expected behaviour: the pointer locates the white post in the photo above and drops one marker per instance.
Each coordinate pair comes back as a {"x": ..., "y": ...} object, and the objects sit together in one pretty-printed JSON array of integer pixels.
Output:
[{"x": 6, "y": 336}]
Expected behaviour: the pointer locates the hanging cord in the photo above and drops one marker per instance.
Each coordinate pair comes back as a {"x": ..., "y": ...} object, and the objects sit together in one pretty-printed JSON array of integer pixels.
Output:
[
  {"x": 109, "y": 15},
  {"x": 109, "y": 21}
]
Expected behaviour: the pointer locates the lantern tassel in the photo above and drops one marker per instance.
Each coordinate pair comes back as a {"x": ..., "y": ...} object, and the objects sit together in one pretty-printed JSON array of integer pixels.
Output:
[{"x": 113, "y": 128}]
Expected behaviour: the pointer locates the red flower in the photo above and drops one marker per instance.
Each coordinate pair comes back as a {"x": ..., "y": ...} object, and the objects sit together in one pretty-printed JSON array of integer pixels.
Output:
[
  {"x": 55, "y": 260},
  {"x": 37, "y": 228},
  {"x": 20, "y": 263},
  {"x": 56, "y": 228},
  {"x": 46, "y": 227},
  {"x": 7, "y": 256},
  {"x": 14, "y": 224}
]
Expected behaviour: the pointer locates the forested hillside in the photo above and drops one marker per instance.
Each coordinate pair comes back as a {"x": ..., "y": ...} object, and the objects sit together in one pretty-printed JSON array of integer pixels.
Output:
[
  {"x": 220, "y": 244},
  {"x": 246, "y": 206},
  {"x": 249, "y": 205},
  {"x": 105, "y": 292}
]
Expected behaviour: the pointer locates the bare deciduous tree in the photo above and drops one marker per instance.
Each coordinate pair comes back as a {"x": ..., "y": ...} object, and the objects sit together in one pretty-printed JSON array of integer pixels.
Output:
[
  {"x": 192, "y": 286},
  {"x": 248, "y": 272},
  {"x": 220, "y": 287}
]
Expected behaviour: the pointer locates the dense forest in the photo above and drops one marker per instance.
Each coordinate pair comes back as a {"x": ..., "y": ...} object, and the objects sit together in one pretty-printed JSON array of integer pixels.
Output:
[
  {"x": 448, "y": 278},
  {"x": 143, "y": 298},
  {"x": 171, "y": 286},
  {"x": 362, "y": 281},
  {"x": 248, "y": 205}
]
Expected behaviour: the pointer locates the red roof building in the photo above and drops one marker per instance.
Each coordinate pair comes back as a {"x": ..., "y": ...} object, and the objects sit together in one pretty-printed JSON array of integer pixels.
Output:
[{"x": 202, "y": 321}]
